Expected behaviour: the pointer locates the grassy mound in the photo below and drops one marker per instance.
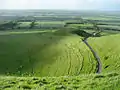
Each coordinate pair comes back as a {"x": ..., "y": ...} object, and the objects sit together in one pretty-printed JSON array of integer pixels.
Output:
[{"x": 44, "y": 54}]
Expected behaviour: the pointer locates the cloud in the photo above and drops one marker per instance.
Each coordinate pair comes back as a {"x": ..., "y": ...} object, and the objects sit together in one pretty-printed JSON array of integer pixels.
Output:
[
  {"x": 99, "y": 4},
  {"x": 32, "y": 4},
  {"x": 60, "y": 4},
  {"x": 56, "y": 4}
]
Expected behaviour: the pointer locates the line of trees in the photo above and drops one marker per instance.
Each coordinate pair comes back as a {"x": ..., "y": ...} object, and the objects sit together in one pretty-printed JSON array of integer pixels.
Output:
[
  {"x": 33, "y": 24},
  {"x": 9, "y": 25}
]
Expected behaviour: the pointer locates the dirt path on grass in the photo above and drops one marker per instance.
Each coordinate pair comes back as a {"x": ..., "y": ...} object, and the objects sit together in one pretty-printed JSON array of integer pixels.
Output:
[{"x": 99, "y": 64}]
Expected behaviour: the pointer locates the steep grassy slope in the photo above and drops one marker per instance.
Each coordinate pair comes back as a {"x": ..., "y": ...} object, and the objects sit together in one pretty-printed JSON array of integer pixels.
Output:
[
  {"x": 108, "y": 48},
  {"x": 58, "y": 54},
  {"x": 108, "y": 81},
  {"x": 44, "y": 54}
]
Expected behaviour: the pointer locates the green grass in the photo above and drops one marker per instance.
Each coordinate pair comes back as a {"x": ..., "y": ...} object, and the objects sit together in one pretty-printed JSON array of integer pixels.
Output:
[
  {"x": 108, "y": 48},
  {"x": 109, "y": 23},
  {"x": 44, "y": 54},
  {"x": 109, "y": 81},
  {"x": 34, "y": 59},
  {"x": 44, "y": 24},
  {"x": 110, "y": 26},
  {"x": 58, "y": 60},
  {"x": 24, "y": 31},
  {"x": 81, "y": 25}
]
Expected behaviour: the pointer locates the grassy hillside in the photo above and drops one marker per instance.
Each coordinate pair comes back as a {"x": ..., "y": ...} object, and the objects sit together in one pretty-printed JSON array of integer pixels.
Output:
[
  {"x": 52, "y": 56},
  {"x": 44, "y": 54},
  {"x": 108, "y": 49},
  {"x": 57, "y": 53}
]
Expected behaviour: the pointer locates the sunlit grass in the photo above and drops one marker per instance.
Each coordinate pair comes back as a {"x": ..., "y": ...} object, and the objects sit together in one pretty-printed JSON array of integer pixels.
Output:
[
  {"x": 108, "y": 49},
  {"x": 108, "y": 81},
  {"x": 44, "y": 54}
]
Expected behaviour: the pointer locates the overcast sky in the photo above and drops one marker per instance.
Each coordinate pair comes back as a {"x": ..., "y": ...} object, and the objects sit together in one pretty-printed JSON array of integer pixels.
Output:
[{"x": 61, "y": 4}]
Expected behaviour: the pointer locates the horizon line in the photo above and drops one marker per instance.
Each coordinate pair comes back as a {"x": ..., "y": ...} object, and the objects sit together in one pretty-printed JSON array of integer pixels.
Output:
[{"x": 68, "y": 9}]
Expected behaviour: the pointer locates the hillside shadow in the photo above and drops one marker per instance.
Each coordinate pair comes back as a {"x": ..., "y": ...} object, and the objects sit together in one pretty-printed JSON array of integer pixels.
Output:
[
  {"x": 19, "y": 54},
  {"x": 86, "y": 34}
]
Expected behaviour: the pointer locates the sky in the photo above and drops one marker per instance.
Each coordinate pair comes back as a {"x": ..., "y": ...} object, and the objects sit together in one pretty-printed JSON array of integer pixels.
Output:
[{"x": 61, "y": 4}]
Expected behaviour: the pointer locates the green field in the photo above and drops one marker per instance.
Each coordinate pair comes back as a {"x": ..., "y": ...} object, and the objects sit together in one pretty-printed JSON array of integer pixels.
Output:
[
  {"x": 55, "y": 54},
  {"x": 43, "y": 24},
  {"x": 58, "y": 52}
]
